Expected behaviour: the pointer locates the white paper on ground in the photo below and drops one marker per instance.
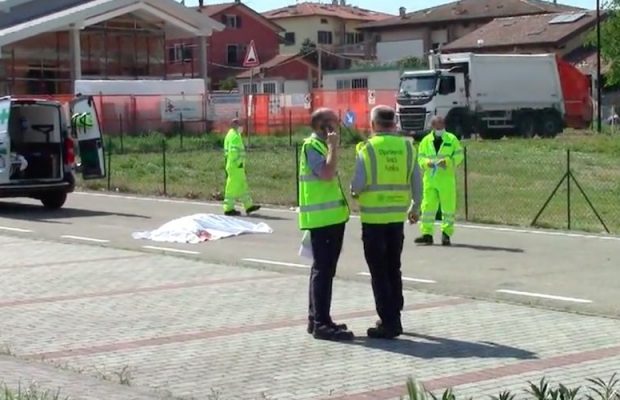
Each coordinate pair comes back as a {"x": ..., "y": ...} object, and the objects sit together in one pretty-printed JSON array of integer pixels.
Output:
[
  {"x": 201, "y": 228},
  {"x": 305, "y": 250}
]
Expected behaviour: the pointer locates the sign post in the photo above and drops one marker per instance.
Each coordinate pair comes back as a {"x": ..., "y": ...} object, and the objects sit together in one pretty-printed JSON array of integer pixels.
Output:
[{"x": 251, "y": 61}]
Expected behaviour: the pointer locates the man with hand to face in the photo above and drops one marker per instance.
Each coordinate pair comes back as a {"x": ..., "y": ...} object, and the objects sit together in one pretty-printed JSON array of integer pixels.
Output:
[
  {"x": 323, "y": 212},
  {"x": 440, "y": 152}
]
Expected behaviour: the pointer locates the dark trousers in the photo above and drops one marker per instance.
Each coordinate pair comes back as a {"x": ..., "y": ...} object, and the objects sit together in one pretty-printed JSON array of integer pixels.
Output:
[
  {"x": 326, "y": 247},
  {"x": 383, "y": 245}
]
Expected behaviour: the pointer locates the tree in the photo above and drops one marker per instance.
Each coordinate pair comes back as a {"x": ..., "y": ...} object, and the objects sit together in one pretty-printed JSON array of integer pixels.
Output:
[
  {"x": 412, "y": 63},
  {"x": 308, "y": 50},
  {"x": 610, "y": 45},
  {"x": 229, "y": 83}
]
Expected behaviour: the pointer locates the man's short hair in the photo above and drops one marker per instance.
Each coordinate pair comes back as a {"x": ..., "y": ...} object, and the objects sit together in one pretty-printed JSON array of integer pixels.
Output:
[
  {"x": 437, "y": 118},
  {"x": 320, "y": 116},
  {"x": 383, "y": 116},
  {"x": 235, "y": 121}
]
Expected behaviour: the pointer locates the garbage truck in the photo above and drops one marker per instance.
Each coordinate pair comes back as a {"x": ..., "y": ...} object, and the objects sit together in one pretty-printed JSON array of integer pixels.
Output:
[{"x": 495, "y": 95}]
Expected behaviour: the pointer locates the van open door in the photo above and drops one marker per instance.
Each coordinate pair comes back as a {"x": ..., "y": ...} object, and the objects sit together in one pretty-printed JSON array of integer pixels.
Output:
[
  {"x": 5, "y": 140},
  {"x": 86, "y": 130}
]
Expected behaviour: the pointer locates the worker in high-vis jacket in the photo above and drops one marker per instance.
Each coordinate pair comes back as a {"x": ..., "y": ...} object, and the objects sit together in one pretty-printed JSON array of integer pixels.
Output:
[
  {"x": 323, "y": 214},
  {"x": 387, "y": 184},
  {"x": 439, "y": 155},
  {"x": 236, "y": 181}
]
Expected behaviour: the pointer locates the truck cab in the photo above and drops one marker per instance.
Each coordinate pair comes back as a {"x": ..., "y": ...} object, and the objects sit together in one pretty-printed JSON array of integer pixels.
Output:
[
  {"x": 423, "y": 94},
  {"x": 39, "y": 142}
]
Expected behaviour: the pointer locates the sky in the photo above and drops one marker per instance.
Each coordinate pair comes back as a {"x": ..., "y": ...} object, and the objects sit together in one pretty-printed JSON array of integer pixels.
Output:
[{"x": 387, "y": 6}]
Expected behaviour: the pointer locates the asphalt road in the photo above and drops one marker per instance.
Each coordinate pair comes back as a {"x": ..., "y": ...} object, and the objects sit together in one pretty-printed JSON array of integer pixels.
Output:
[{"x": 569, "y": 271}]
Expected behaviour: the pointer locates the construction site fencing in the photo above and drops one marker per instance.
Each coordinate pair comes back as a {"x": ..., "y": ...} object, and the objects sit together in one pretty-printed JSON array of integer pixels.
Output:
[
  {"x": 262, "y": 114},
  {"x": 558, "y": 189}
]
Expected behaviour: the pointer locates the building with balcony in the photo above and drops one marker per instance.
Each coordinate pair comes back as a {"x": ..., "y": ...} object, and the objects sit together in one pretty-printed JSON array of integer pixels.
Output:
[
  {"x": 332, "y": 27},
  {"x": 227, "y": 48}
]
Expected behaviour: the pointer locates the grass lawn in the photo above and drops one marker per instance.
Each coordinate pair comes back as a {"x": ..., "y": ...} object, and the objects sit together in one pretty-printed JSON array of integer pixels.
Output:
[{"x": 508, "y": 181}]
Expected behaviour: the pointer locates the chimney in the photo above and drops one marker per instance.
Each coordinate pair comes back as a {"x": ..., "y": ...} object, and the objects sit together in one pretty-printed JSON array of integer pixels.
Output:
[
  {"x": 201, "y": 4},
  {"x": 402, "y": 11},
  {"x": 237, "y": 1},
  {"x": 343, "y": 2}
]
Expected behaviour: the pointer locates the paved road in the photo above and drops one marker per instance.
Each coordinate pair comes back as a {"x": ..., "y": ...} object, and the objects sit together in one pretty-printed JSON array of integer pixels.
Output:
[
  {"x": 566, "y": 271},
  {"x": 176, "y": 328}
]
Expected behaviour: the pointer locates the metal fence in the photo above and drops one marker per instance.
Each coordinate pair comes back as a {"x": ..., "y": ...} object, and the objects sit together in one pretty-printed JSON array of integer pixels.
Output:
[{"x": 551, "y": 189}]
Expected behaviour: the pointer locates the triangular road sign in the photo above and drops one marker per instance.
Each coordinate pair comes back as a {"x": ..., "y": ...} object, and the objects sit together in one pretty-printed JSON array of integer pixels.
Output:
[{"x": 251, "y": 57}]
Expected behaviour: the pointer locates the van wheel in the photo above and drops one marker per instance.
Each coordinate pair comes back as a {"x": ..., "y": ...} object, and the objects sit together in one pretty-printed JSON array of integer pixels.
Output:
[{"x": 54, "y": 200}]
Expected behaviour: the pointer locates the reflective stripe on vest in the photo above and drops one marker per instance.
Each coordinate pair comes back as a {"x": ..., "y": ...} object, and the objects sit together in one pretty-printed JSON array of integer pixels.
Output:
[
  {"x": 375, "y": 204},
  {"x": 321, "y": 203}
]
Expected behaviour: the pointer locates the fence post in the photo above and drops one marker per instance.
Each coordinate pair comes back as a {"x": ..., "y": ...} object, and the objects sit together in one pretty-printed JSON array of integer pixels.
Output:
[
  {"x": 568, "y": 203},
  {"x": 120, "y": 121},
  {"x": 182, "y": 127},
  {"x": 163, "y": 148},
  {"x": 290, "y": 127},
  {"x": 109, "y": 164},
  {"x": 466, "y": 173},
  {"x": 339, "y": 127},
  {"x": 297, "y": 174}
]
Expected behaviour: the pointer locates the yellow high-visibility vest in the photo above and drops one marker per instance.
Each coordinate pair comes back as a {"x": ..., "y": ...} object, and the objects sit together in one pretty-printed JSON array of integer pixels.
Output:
[{"x": 321, "y": 203}]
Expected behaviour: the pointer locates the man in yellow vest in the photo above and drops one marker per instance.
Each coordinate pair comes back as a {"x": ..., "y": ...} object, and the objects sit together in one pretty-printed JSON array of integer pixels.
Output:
[
  {"x": 236, "y": 181},
  {"x": 387, "y": 183},
  {"x": 440, "y": 153},
  {"x": 323, "y": 211}
]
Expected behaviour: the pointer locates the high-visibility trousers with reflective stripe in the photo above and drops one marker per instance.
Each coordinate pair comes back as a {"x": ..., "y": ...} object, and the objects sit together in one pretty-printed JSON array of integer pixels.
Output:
[
  {"x": 236, "y": 189},
  {"x": 436, "y": 192}
]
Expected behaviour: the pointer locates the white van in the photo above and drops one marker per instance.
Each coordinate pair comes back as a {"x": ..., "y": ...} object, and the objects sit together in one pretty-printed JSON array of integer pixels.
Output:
[{"x": 38, "y": 148}]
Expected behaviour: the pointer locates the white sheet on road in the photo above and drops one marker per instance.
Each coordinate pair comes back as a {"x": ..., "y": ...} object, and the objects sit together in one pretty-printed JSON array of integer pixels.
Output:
[{"x": 201, "y": 228}]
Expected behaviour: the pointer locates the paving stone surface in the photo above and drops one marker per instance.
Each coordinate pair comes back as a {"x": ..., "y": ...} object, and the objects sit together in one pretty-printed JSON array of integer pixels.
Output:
[{"x": 186, "y": 329}]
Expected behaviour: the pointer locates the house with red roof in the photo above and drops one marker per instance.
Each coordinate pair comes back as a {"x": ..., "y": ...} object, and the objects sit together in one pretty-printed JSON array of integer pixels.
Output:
[
  {"x": 415, "y": 34},
  {"x": 331, "y": 26},
  {"x": 227, "y": 48}
]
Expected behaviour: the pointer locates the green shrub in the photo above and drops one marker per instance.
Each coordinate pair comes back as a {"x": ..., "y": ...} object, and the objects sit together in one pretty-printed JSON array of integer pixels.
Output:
[
  {"x": 32, "y": 392},
  {"x": 598, "y": 389}
]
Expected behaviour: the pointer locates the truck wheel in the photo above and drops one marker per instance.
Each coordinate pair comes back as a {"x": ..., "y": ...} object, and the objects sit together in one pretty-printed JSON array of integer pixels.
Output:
[
  {"x": 456, "y": 124},
  {"x": 526, "y": 126},
  {"x": 491, "y": 134},
  {"x": 54, "y": 200},
  {"x": 550, "y": 125}
]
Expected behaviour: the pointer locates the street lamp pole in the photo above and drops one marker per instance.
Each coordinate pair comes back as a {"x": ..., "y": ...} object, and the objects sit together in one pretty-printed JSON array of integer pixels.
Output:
[{"x": 598, "y": 67}]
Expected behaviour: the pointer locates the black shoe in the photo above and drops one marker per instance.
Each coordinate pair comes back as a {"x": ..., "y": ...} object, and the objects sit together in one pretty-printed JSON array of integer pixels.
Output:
[
  {"x": 232, "y": 213},
  {"x": 445, "y": 240},
  {"x": 426, "y": 240},
  {"x": 342, "y": 327},
  {"x": 383, "y": 332},
  {"x": 252, "y": 209},
  {"x": 325, "y": 332},
  {"x": 399, "y": 329}
]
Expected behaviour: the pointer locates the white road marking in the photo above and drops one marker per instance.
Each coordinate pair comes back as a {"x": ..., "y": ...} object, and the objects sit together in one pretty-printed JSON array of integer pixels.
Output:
[
  {"x": 168, "y": 249},
  {"x": 85, "y": 239},
  {"x": 9, "y": 229},
  {"x": 285, "y": 264},
  {"x": 404, "y": 278},
  {"x": 536, "y": 232},
  {"x": 171, "y": 201},
  {"x": 543, "y": 296},
  {"x": 294, "y": 211}
]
